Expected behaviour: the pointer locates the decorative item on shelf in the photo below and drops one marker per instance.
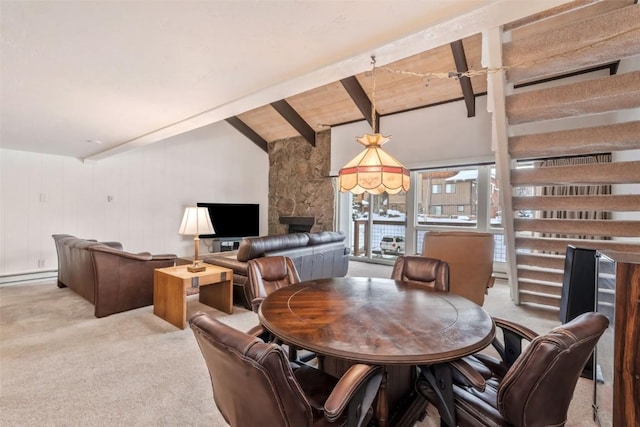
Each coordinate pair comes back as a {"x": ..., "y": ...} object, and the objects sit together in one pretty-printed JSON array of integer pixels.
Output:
[
  {"x": 373, "y": 170},
  {"x": 196, "y": 221}
]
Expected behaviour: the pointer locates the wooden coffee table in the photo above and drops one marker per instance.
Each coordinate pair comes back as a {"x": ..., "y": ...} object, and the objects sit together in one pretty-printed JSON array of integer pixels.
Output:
[{"x": 171, "y": 283}]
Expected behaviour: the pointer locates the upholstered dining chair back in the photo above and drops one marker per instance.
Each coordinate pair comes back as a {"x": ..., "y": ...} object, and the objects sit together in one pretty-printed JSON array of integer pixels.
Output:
[
  {"x": 430, "y": 272},
  {"x": 254, "y": 383},
  {"x": 538, "y": 387},
  {"x": 470, "y": 258},
  {"x": 251, "y": 380},
  {"x": 268, "y": 274}
]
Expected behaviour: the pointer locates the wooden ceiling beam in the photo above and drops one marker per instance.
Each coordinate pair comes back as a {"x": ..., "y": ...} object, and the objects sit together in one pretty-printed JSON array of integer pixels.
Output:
[
  {"x": 294, "y": 119},
  {"x": 242, "y": 127},
  {"x": 360, "y": 98},
  {"x": 465, "y": 82}
]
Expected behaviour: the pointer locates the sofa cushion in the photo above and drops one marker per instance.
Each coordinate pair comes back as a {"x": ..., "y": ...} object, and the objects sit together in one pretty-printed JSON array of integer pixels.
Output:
[
  {"x": 254, "y": 247},
  {"x": 227, "y": 259}
]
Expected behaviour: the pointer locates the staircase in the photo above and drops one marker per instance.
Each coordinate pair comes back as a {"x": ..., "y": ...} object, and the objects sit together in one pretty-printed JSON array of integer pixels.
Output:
[{"x": 594, "y": 109}]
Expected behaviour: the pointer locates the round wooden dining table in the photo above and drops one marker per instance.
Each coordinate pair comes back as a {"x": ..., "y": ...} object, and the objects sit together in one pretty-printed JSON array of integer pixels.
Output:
[{"x": 379, "y": 321}]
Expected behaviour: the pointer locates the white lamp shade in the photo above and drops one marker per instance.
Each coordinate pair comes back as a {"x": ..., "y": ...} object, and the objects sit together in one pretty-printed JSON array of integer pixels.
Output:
[{"x": 196, "y": 221}]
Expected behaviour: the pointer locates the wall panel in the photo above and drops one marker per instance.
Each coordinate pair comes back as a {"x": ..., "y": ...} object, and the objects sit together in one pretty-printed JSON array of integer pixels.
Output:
[{"x": 150, "y": 188}]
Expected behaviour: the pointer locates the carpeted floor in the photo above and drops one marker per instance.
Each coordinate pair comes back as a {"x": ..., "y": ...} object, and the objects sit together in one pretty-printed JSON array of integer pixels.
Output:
[{"x": 61, "y": 366}]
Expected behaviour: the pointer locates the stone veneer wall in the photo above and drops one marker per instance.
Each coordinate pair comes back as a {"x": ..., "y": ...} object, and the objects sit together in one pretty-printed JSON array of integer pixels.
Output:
[{"x": 299, "y": 182}]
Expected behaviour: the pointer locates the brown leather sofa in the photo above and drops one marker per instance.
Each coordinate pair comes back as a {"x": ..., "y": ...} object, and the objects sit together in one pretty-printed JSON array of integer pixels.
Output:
[
  {"x": 105, "y": 275},
  {"x": 315, "y": 256}
]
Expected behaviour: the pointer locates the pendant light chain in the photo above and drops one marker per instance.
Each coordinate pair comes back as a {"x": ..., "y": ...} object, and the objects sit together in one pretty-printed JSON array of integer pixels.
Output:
[
  {"x": 373, "y": 96},
  {"x": 523, "y": 64}
]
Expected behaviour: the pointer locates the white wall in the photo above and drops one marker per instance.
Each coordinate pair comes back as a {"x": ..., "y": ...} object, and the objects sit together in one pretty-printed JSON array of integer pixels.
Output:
[
  {"x": 430, "y": 137},
  {"x": 42, "y": 194}
]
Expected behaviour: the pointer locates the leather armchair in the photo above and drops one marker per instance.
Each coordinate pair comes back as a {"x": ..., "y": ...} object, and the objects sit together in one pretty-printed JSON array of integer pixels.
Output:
[
  {"x": 470, "y": 258},
  {"x": 254, "y": 383},
  {"x": 430, "y": 272},
  {"x": 537, "y": 386}
]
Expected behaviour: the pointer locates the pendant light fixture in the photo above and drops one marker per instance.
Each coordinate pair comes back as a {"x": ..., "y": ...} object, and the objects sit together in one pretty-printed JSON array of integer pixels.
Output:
[{"x": 373, "y": 170}]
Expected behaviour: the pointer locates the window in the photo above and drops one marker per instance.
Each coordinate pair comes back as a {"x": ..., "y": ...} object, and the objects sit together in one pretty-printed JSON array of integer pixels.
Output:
[
  {"x": 465, "y": 197},
  {"x": 460, "y": 197},
  {"x": 471, "y": 200}
]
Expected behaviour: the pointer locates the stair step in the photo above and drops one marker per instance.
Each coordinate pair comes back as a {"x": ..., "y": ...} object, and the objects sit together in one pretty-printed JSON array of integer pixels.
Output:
[
  {"x": 597, "y": 202},
  {"x": 591, "y": 140},
  {"x": 595, "y": 173},
  {"x": 579, "y": 227},
  {"x": 562, "y": 16},
  {"x": 541, "y": 288},
  {"x": 555, "y": 262},
  {"x": 540, "y": 275},
  {"x": 559, "y": 245},
  {"x": 593, "y": 96},
  {"x": 547, "y": 300},
  {"x": 597, "y": 40}
]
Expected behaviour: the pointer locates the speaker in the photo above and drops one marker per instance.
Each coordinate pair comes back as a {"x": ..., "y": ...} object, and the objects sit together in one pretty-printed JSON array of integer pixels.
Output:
[
  {"x": 579, "y": 289},
  {"x": 578, "y": 283}
]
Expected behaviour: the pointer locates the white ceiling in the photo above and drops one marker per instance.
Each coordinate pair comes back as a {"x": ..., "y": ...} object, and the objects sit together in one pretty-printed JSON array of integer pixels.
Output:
[{"x": 128, "y": 73}]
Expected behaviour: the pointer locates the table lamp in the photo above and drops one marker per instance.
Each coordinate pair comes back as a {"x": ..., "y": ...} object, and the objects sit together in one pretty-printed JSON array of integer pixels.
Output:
[{"x": 196, "y": 221}]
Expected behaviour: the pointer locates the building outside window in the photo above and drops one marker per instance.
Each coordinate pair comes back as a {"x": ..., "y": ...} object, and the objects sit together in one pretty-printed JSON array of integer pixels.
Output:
[{"x": 470, "y": 201}]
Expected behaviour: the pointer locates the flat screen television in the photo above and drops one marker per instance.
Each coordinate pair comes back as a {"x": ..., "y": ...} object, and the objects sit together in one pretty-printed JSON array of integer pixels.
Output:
[{"x": 233, "y": 220}]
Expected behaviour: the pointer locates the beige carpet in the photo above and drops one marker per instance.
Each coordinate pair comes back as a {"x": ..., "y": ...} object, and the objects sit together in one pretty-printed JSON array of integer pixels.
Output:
[{"x": 61, "y": 366}]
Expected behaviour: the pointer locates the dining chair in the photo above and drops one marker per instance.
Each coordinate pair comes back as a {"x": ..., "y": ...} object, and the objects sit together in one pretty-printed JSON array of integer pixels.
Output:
[
  {"x": 532, "y": 387},
  {"x": 268, "y": 274},
  {"x": 254, "y": 383},
  {"x": 264, "y": 276},
  {"x": 424, "y": 271},
  {"x": 470, "y": 258}
]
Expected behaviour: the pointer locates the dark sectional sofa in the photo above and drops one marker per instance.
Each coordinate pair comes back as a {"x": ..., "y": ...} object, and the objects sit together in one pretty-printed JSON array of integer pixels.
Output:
[
  {"x": 315, "y": 255},
  {"x": 105, "y": 275}
]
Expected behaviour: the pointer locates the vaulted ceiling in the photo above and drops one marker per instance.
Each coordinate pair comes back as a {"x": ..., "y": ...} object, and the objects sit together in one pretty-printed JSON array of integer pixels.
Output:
[{"x": 93, "y": 79}]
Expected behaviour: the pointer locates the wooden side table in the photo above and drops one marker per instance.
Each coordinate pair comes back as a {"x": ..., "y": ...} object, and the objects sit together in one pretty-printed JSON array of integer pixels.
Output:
[{"x": 170, "y": 285}]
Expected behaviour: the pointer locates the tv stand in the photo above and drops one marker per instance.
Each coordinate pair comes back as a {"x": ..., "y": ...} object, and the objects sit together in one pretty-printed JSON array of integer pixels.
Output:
[{"x": 223, "y": 244}]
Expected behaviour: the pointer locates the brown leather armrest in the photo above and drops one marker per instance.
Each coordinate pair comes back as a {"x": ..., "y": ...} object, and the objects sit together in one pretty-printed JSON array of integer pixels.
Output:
[
  {"x": 114, "y": 245},
  {"x": 256, "y": 331},
  {"x": 255, "y": 303},
  {"x": 464, "y": 373},
  {"x": 164, "y": 256},
  {"x": 358, "y": 375},
  {"x": 516, "y": 328}
]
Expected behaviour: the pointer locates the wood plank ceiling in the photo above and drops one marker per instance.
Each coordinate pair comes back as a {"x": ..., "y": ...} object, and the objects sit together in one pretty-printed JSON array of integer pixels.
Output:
[
  {"x": 343, "y": 102},
  {"x": 349, "y": 100}
]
